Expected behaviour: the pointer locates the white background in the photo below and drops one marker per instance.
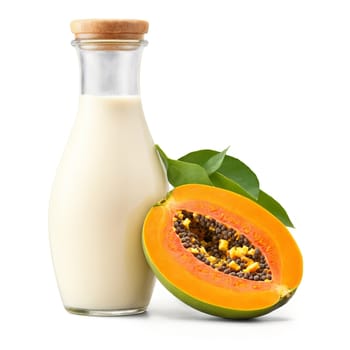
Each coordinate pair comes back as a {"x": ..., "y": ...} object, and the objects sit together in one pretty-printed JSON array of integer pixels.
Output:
[{"x": 269, "y": 78}]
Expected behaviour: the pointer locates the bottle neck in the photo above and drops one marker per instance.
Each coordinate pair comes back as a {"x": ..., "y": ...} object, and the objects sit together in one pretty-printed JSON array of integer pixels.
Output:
[{"x": 110, "y": 67}]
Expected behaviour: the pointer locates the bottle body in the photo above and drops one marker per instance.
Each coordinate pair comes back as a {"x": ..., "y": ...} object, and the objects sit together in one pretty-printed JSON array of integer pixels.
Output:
[{"x": 107, "y": 180}]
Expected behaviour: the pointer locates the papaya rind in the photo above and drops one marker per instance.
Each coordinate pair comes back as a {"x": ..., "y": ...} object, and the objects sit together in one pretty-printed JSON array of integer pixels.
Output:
[{"x": 214, "y": 310}]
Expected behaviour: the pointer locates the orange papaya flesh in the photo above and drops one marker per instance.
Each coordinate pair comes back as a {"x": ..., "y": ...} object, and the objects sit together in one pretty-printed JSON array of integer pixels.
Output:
[{"x": 226, "y": 277}]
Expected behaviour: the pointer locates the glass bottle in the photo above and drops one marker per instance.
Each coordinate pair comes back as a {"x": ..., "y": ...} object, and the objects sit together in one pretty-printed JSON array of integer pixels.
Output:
[{"x": 108, "y": 178}]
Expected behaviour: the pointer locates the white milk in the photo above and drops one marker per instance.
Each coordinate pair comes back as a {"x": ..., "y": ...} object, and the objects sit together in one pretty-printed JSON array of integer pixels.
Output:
[{"x": 108, "y": 179}]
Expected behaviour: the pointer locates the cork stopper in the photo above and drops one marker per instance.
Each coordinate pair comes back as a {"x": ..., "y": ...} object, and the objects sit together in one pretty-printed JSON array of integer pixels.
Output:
[{"x": 122, "y": 29}]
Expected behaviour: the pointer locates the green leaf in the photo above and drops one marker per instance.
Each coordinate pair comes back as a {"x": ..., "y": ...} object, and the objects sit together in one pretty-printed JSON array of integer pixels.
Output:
[
  {"x": 274, "y": 208},
  {"x": 266, "y": 201},
  {"x": 220, "y": 180},
  {"x": 180, "y": 173},
  {"x": 231, "y": 167},
  {"x": 239, "y": 172},
  {"x": 163, "y": 156},
  {"x": 230, "y": 174},
  {"x": 199, "y": 157},
  {"x": 215, "y": 162}
]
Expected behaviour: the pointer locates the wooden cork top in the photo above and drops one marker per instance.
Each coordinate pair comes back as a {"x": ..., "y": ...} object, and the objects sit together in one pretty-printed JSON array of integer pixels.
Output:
[{"x": 122, "y": 29}]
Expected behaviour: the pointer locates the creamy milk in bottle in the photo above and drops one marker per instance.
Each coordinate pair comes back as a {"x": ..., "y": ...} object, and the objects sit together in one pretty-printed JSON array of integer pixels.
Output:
[{"x": 108, "y": 178}]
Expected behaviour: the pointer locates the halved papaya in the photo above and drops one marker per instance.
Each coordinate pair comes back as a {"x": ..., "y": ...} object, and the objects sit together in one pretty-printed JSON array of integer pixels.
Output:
[{"x": 220, "y": 252}]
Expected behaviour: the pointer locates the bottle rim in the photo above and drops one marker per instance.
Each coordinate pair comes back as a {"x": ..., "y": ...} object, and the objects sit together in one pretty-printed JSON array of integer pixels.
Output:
[{"x": 108, "y": 44}]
